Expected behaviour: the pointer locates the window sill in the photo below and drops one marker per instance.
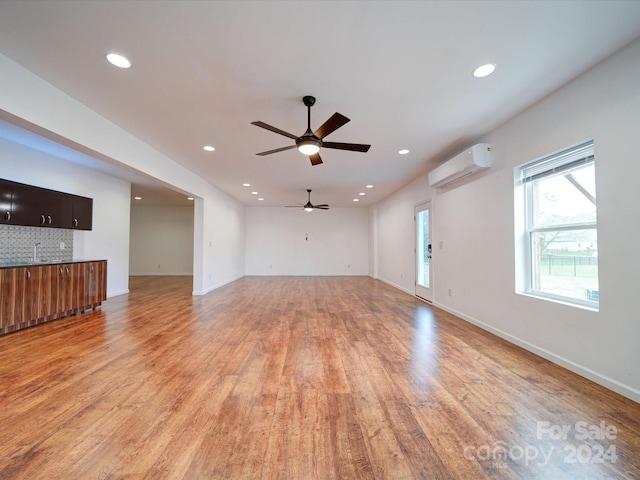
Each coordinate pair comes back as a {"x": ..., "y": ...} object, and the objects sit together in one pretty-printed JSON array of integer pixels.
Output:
[{"x": 567, "y": 302}]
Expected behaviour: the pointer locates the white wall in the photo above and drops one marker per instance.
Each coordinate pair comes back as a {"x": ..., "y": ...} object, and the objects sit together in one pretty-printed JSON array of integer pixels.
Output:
[
  {"x": 161, "y": 241},
  {"x": 288, "y": 241},
  {"x": 109, "y": 238},
  {"x": 475, "y": 222},
  {"x": 218, "y": 219}
]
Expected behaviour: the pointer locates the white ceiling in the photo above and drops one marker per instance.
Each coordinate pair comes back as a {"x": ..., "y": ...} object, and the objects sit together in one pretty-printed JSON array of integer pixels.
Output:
[{"x": 401, "y": 71}]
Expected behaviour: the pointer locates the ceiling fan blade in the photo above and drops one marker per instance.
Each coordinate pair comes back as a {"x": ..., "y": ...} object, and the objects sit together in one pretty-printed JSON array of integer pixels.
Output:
[
  {"x": 274, "y": 129},
  {"x": 355, "y": 147},
  {"x": 324, "y": 206},
  {"x": 335, "y": 122},
  {"x": 269, "y": 152},
  {"x": 315, "y": 159}
]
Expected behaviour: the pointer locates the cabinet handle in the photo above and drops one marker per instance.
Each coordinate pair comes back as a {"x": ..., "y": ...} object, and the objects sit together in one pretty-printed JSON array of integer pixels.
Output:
[
  {"x": 91, "y": 269},
  {"x": 28, "y": 275},
  {"x": 75, "y": 222},
  {"x": 61, "y": 271},
  {"x": 7, "y": 216},
  {"x": 43, "y": 219},
  {"x": 48, "y": 219},
  {"x": 67, "y": 270}
]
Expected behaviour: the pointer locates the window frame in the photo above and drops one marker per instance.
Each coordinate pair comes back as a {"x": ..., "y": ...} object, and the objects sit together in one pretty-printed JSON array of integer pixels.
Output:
[{"x": 563, "y": 161}]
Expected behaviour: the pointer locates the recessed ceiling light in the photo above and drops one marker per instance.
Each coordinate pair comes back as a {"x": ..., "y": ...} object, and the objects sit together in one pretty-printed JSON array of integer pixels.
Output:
[
  {"x": 362, "y": 193},
  {"x": 404, "y": 151},
  {"x": 484, "y": 70},
  {"x": 190, "y": 198},
  {"x": 356, "y": 199},
  {"x": 260, "y": 199},
  {"x": 118, "y": 60},
  {"x": 368, "y": 186},
  {"x": 137, "y": 198},
  {"x": 246, "y": 184},
  {"x": 208, "y": 148},
  {"x": 254, "y": 193}
]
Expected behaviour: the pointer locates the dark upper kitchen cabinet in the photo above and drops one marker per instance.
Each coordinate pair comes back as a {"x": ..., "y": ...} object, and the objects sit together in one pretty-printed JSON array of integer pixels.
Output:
[
  {"x": 6, "y": 201},
  {"x": 46, "y": 208},
  {"x": 40, "y": 207},
  {"x": 11, "y": 197},
  {"x": 82, "y": 213}
]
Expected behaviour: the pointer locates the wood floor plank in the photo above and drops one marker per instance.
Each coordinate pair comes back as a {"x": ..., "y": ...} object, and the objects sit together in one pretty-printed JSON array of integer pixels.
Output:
[{"x": 295, "y": 378}]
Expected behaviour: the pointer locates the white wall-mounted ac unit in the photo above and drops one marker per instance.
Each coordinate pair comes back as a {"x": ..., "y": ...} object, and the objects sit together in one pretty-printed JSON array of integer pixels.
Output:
[{"x": 465, "y": 163}]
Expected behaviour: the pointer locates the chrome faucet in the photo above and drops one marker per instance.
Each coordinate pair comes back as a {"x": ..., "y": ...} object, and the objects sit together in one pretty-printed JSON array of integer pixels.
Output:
[{"x": 35, "y": 252}]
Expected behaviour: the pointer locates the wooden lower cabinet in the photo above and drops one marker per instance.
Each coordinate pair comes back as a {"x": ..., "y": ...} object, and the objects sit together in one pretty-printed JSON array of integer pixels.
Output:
[
  {"x": 43, "y": 291},
  {"x": 95, "y": 284},
  {"x": 71, "y": 284},
  {"x": 34, "y": 295},
  {"x": 15, "y": 307}
]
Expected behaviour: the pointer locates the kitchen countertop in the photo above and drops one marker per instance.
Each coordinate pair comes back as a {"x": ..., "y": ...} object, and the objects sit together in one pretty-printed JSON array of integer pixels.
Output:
[{"x": 8, "y": 263}]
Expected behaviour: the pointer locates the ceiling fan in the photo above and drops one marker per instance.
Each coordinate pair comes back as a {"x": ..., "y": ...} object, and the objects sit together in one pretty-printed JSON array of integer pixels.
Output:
[
  {"x": 308, "y": 207},
  {"x": 310, "y": 142}
]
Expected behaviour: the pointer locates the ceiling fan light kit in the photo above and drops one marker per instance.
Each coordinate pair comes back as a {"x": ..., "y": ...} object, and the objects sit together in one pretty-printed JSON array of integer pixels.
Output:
[
  {"x": 308, "y": 145},
  {"x": 311, "y": 142}
]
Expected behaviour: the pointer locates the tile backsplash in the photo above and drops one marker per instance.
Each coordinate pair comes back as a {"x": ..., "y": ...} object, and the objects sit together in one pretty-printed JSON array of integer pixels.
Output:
[{"x": 17, "y": 244}]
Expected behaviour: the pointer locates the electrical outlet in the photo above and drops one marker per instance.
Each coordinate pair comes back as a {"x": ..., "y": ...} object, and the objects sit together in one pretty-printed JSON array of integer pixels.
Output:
[{"x": 62, "y": 246}]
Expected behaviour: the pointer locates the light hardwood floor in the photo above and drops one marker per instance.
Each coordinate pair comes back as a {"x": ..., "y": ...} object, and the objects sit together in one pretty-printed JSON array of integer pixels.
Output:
[{"x": 297, "y": 378}]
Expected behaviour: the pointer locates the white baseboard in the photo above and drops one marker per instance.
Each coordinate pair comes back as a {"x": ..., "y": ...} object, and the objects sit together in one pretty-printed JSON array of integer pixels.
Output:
[
  {"x": 610, "y": 383},
  {"x": 215, "y": 287},
  {"x": 394, "y": 285},
  {"x": 603, "y": 380},
  {"x": 161, "y": 274},
  {"x": 117, "y": 293}
]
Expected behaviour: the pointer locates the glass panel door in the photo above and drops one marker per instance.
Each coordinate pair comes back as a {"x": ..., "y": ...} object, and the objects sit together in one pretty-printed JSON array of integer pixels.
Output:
[{"x": 423, "y": 251}]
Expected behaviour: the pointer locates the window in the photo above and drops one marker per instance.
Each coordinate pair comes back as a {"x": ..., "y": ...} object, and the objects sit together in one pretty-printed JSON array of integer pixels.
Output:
[{"x": 560, "y": 226}]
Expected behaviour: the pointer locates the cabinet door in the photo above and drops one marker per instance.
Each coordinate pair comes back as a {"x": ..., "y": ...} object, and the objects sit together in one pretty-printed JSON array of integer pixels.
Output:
[
  {"x": 58, "y": 209},
  {"x": 22, "y": 212},
  {"x": 6, "y": 195},
  {"x": 71, "y": 288},
  {"x": 14, "y": 298},
  {"x": 64, "y": 289},
  {"x": 29, "y": 206},
  {"x": 96, "y": 283},
  {"x": 44, "y": 292},
  {"x": 82, "y": 213},
  {"x": 78, "y": 286}
]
